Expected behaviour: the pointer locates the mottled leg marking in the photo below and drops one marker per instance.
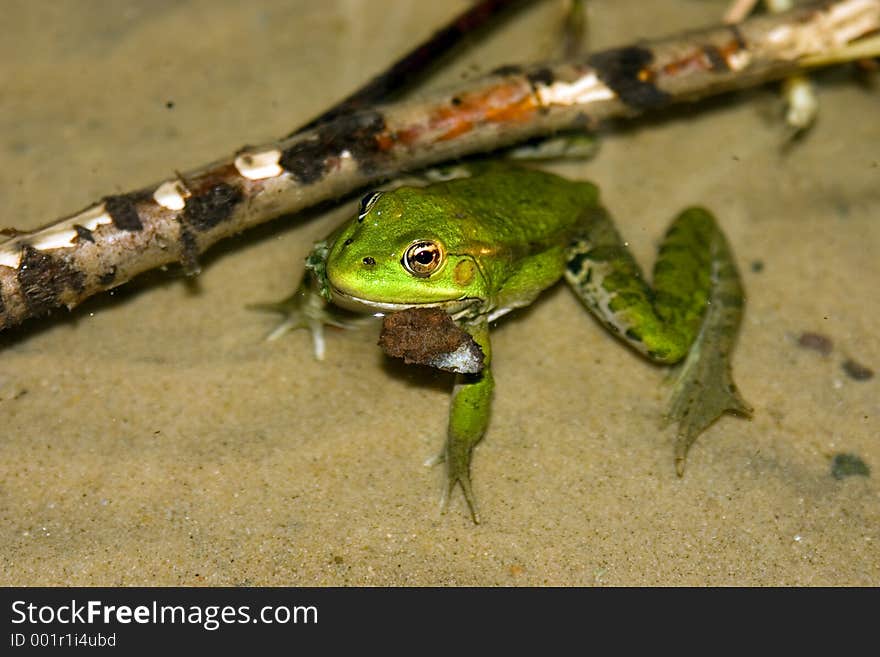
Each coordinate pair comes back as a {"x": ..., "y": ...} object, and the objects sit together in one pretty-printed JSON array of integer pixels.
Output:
[
  {"x": 468, "y": 419},
  {"x": 693, "y": 310}
]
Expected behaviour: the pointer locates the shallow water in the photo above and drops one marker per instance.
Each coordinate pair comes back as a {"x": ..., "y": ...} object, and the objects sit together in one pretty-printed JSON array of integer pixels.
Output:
[{"x": 152, "y": 437}]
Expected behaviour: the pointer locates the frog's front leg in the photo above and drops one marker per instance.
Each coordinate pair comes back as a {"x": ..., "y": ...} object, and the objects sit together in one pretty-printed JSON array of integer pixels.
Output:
[
  {"x": 309, "y": 307},
  {"x": 468, "y": 419},
  {"x": 693, "y": 311}
]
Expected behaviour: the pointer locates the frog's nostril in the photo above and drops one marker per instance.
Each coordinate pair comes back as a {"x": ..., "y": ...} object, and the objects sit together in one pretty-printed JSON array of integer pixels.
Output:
[
  {"x": 347, "y": 242},
  {"x": 369, "y": 262}
]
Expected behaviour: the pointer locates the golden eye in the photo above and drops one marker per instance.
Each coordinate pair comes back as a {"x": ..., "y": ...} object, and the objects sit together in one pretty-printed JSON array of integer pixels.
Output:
[{"x": 423, "y": 258}]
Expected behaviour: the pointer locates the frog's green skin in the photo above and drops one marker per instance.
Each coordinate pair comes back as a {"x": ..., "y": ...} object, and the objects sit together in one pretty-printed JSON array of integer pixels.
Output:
[{"x": 502, "y": 236}]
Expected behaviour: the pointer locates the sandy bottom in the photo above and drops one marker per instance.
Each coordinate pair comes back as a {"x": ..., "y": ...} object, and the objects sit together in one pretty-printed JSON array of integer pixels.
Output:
[{"x": 152, "y": 437}]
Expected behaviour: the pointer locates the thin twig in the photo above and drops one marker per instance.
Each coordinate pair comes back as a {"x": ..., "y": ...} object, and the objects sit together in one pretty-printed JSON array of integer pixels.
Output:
[
  {"x": 111, "y": 241},
  {"x": 574, "y": 29}
]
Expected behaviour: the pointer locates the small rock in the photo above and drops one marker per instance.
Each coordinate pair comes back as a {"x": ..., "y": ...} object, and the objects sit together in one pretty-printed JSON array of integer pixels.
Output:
[{"x": 847, "y": 465}]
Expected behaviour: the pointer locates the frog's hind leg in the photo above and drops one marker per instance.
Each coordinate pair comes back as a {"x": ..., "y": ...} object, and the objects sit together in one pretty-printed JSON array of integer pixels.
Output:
[
  {"x": 693, "y": 311},
  {"x": 704, "y": 386},
  {"x": 468, "y": 418}
]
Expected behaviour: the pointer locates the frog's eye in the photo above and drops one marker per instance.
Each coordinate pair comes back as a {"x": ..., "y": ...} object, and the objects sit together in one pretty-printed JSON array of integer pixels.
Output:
[
  {"x": 423, "y": 258},
  {"x": 367, "y": 202}
]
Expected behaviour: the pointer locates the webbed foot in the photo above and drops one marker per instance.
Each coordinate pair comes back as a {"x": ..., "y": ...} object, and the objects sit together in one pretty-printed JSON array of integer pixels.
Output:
[
  {"x": 458, "y": 472},
  {"x": 468, "y": 419},
  {"x": 703, "y": 391},
  {"x": 305, "y": 308}
]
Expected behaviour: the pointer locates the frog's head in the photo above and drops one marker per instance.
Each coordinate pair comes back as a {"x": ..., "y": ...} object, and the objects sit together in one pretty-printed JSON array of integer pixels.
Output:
[{"x": 404, "y": 249}]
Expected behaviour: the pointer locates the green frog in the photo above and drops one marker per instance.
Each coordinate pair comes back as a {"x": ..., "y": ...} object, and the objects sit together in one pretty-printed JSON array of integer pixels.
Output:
[{"x": 479, "y": 246}]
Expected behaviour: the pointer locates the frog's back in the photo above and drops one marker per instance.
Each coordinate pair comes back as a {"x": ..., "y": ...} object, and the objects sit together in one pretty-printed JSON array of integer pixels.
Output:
[{"x": 519, "y": 206}]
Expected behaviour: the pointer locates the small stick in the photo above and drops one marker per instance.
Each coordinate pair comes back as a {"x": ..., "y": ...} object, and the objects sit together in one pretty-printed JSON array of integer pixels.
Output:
[{"x": 113, "y": 240}]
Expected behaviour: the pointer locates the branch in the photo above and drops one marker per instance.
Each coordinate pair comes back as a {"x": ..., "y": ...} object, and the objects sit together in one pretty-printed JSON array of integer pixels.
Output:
[{"x": 121, "y": 236}]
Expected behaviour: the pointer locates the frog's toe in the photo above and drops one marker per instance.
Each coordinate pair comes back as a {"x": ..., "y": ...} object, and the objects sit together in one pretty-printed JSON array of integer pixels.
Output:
[
  {"x": 437, "y": 459},
  {"x": 293, "y": 310},
  {"x": 288, "y": 324},
  {"x": 304, "y": 309},
  {"x": 703, "y": 392},
  {"x": 464, "y": 481},
  {"x": 696, "y": 417},
  {"x": 453, "y": 479}
]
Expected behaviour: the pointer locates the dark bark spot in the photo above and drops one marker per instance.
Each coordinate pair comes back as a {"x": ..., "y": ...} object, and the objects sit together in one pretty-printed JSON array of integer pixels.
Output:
[
  {"x": 43, "y": 279},
  {"x": 509, "y": 69},
  {"x": 542, "y": 75},
  {"x": 309, "y": 160},
  {"x": 108, "y": 276},
  {"x": 212, "y": 207},
  {"x": 627, "y": 72},
  {"x": 716, "y": 59},
  {"x": 738, "y": 37},
  {"x": 189, "y": 250},
  {"x": 83, "y": 233},
  {"x": 123, "y": 212}
]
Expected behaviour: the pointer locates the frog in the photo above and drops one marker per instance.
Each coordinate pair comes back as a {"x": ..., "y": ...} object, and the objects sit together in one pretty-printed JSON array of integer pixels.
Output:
[{"x": 483, "y": 244}]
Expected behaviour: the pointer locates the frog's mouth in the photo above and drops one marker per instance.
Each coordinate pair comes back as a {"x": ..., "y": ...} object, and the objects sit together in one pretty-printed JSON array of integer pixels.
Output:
[{"x": 345, "y": 300}]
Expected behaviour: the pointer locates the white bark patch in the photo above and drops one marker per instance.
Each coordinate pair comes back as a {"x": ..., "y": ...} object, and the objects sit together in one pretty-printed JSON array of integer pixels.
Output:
[
  {"x": 831, "y": 29},
  {"x": 172, "y": 195},
  {"x": 586, "y": 89},
  {"x": 739, "y": 60},
  {"x": 10, "y": 258},
  {"x": 59, "y": 236},
  {"x": 259, "y": 166},
  {"x": 851, "y": 20}
]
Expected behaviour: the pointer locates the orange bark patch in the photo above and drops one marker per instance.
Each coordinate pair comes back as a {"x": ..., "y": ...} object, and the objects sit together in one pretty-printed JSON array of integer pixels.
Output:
[
  {"x": 696, "y": 60},
  {"x": 503, "y": 103}
]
